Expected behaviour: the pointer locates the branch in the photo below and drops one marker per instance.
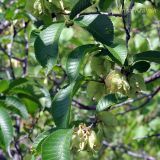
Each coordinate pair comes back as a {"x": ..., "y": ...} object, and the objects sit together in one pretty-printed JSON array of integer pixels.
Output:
[
  {"x": 152, "y": 78},
  {"x": 82, "y": 106},
  {"x": 150, "y": 136},
  {"x": 25, "y": 62},
  {"x": 129, "y": 101},
  {"x": 108, "y": 14},
  {"x": 88, "y": 13},
  {"x": 127, "y": 23},
  {"x": 149, "y": 98},
  {"x": 126, "y": 150}
]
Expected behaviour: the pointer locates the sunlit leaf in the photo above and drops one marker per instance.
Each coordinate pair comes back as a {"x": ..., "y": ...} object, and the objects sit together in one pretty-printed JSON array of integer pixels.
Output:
[
  {"x": 75, "y": 59},
  {"x": 151, "y": 56},
  {"x": 18, "y": 105},
  {"x": 46, "y": 45},
  {"x": 6, "y": 128},
  {"x": 100, "y": 26},
  {"x": 57, "y": 145},
  {"x": 79, "y": 6}
]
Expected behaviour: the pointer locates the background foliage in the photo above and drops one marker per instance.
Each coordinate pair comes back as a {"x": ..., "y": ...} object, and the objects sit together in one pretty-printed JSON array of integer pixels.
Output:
[{"x": 79, "y": 79}]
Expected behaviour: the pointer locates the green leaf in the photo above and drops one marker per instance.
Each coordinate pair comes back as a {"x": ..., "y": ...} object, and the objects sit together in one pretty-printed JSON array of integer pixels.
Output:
[
  {"x": 141, "y": 66},
  {"x": 4, "y": 84},
  {"x": 104, "y": 4},
  {"x": 100, "y": 66},
  {"x": 75, "y": 60},
  {"x": 106, "y": 102},
  {"x": 140, "y": 1},
  {"x": 17, "y": 83},
  {"x": 18, "y": 105},
  {"x": 119, "y": 52},
  {"x": 61, "y": 107},
  {"x": 95, "y": 90},
  {"x": 40, "y": 139},
  {"x": 140, "y": 132},
  {"x": 79, "y": 6},
  {"x": 110, "y": 100},
  {"x": 100, "y": 26},
  {"x": 6, "y": 129},
  {"x": 107, "y": 118},
  {"x": 151, "y": 56},
  {"x": 46, "y": 45},
  {"x": 61, "y": 104},
  {"x": 57, "y": 145}
]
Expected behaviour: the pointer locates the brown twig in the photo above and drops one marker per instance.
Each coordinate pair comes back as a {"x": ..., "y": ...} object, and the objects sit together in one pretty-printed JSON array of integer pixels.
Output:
[
  {"x": 127, "y": 20},
  {"x": 152, "y": 78},
  {"x": 126, "y": 150},
  {"x": 108, "y": 14},
  {"x": 149, "y": 98},
  {"x": 82, "y": 106},
  {"x": 149, "y": 136}
]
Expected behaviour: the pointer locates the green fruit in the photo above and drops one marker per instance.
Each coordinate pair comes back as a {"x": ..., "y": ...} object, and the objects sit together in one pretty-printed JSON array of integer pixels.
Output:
[{"x": 117, "y": 82}]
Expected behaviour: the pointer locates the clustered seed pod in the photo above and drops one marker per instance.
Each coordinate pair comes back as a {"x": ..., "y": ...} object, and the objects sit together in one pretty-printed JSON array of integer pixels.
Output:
[
  {"x": 117, "y": 82},
  {"x": 84, "y": 138},
  {"x": 38, "y": 7}
]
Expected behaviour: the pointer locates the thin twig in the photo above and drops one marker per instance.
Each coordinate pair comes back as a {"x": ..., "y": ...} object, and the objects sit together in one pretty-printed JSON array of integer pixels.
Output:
[
  {"x": 149, "y": 98},
  {"x": 82, "y": 106},
  {"x": 108, "y": 14},
  {"x": 152, "y": 78},
  {"x": 127, "y": 23},
  {"x": 149, "y": 136},
  {"x": 127, "y": 151},
  {"x": 129, "y": 101}
]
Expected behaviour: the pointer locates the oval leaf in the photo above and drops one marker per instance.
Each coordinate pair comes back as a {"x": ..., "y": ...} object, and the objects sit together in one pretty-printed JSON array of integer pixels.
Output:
[
  {"x": 141, "y": 66},
  {"x": 110, "y": 100},
  {"x": 92, "y": 89},
  {"x": 46, "y": 45},
  {"x": 151, "y": 56},
  {"x": 4, "y": 85},
  {"x": 6, "y": 128},
  {"x": 100, "y": 26},
  {"x": 79, "y": 6},
  {"x": 61, "y": 107},
  {"x": 57, "y": 145},
  {"x": 107, "y": 118},
  {"x": 75, "y": 60},
  {"x": 18, "y": 105},
  {"x": 104, "y": 4},
  {"x": 40, "y": 139},
  {"x": 61, "y": 104},
  {"x": 106, "y": 102},
  {"x": 119, "y": 52}
]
